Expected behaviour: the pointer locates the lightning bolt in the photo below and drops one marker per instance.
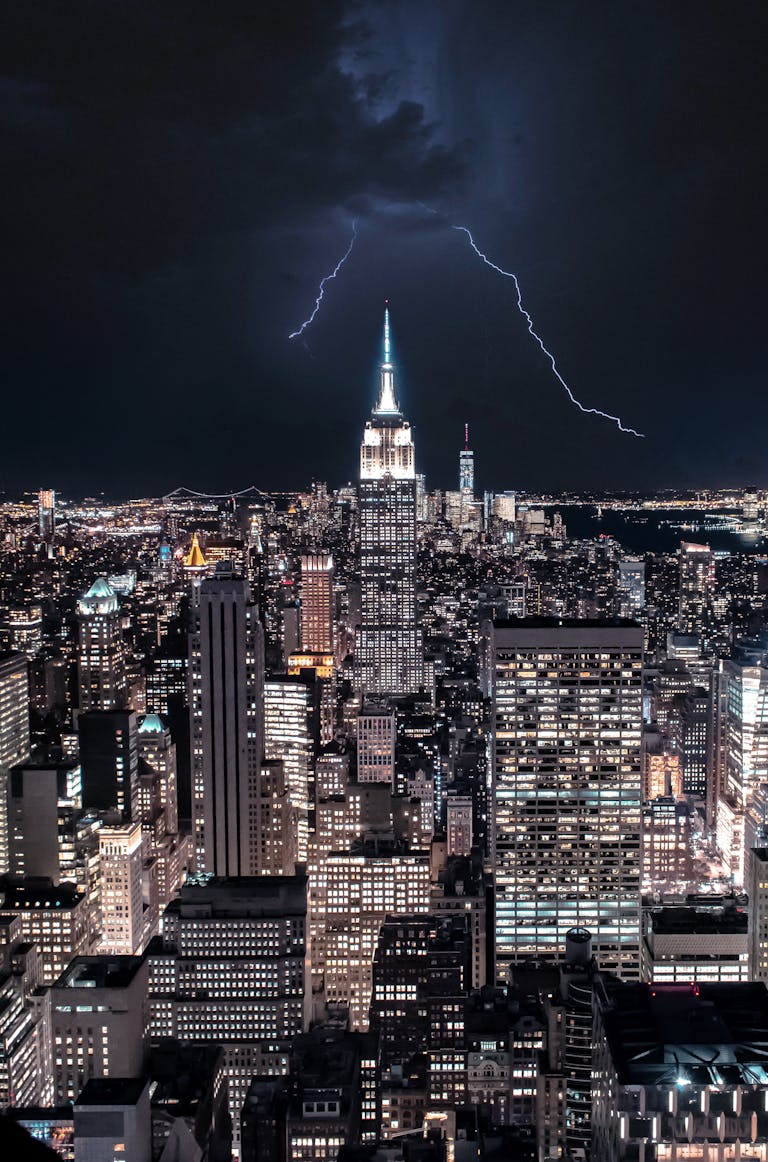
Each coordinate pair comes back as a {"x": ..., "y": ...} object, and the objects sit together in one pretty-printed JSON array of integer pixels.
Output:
[
  {"x": 321, "y": 289},
  {"x": 531, "y": 330}
]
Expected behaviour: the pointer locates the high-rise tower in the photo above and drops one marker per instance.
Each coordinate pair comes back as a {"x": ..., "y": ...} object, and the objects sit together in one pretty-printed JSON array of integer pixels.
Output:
[
  {"x": 567, "y": 699},
  {"x": 697, "y": 583},
  {"x": 47, "y": 514},
  {"x": 467, "y": 466},
  {"x": 317, "y": 603},
  {"x": 226, "y": 671},
  {"x": 389, "y": 652},
  {"x": 100, "y": 655}
]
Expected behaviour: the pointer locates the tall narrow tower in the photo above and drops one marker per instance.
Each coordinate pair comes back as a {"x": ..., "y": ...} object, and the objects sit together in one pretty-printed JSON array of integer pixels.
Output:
[
  {"x": 226, "y": 671},
  {"x": 389, "y": 652},
  {"x": 100, "y": 655},
  {"x": 467, "y": 466}
]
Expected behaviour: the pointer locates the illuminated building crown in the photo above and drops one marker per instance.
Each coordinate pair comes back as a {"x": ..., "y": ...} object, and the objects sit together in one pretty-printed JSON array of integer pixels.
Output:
[{"x": 387, "y": 448}]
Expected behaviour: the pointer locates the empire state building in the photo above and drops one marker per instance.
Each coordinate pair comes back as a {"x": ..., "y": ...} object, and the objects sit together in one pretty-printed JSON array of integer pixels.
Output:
[{"x": 389, "y": 651}]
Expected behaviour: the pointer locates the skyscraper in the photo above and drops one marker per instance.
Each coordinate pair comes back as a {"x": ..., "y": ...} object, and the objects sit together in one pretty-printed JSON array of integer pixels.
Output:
[
  {"x": 697, "y": 582},
  {"x": 743, "y": 754},
  {"x": 376, "y": 739},
  {"x": 389, "y": 651},
  {"x": 110, "y": 761},
  {"x": 226, "y": 668},
  {"x": 100, "y": 656},
  {"x": 567, "y": 722},
  {"x": 47, "y": 514},
  {"x": 120, "y": 882},
  {"x": 630, "y": 587},
  {"x": 290, "y": 728},
  {"x": 317, "y": 603},
  {"x": 467, "y": 466},
  {"x": 231, "y": 967},
  {"x": 14, "y": 732}
]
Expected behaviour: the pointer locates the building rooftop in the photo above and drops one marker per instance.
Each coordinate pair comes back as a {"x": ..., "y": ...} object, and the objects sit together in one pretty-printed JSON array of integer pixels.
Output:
[
  {"x": 31, "y": 895},
  {"x": 566, "y": 623},
  {"x": 669, "y": 921},
  {"x": 152, "y": 724},
  {"x": 700, "y": 1034},
  {"x": 111, "y": 1091},
  {"x": 100, "y": 972},
  {"x": 182, "y": 1074},
  {"x": 252, "y": 896}
]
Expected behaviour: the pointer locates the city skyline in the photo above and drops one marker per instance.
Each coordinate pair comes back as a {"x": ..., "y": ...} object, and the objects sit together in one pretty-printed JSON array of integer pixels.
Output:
[
  {"x": 387, "y": 776},
  {"x": 171, "y": 231}
]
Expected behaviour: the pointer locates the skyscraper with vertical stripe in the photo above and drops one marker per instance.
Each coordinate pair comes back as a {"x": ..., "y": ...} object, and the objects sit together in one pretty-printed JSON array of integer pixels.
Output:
[{"x": 226, "y": 672}]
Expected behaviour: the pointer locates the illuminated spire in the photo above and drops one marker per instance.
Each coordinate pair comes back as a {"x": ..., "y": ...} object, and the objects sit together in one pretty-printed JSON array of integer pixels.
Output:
[
  {"x": 466, "y": 437},
  {"x": 387, "y": 404},
  {"x": 194, "y": 559}
]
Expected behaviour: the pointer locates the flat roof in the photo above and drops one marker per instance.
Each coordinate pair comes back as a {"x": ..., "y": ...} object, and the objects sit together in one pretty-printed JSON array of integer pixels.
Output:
[
  {"x": 691, "y": 921},
  {"x": 565, "y": 623},
  {"x": 112, "y": 1091},
  {"x": 701, "y": 1034},
  {"x": 103, "y": 972}
]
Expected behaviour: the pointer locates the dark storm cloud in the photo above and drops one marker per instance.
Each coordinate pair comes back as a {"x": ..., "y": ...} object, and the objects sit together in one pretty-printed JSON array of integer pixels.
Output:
[{"x": 136, "y": 131}]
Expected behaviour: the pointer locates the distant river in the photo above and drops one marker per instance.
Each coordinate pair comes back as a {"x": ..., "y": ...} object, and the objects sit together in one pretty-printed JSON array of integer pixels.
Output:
[{"x": 650, "y": 531}]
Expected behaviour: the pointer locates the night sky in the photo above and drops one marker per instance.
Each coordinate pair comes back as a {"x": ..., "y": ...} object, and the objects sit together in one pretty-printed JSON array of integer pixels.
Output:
[{"x": 178, "y": 177}]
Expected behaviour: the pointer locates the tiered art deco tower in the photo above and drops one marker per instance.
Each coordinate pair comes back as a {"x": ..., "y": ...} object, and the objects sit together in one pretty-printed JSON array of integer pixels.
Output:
[{"x": 389, "y": 652}]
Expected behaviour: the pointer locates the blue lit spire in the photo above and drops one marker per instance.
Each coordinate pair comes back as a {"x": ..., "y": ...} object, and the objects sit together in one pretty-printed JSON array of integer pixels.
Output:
[{"x": 387, "y": 404}]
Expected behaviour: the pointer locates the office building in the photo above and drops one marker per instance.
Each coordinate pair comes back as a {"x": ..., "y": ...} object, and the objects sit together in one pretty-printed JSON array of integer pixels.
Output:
[
  {"x": 230, "y": 967},
  {"x": 226, "y": 670},
  {"x": 109, "y": 758},
  {"x": 100, "y": 654},
  {"x": 43, "y": 802},
  {"x": 365, "y": 885},
  {"x": 25, "y": 629},
  {"x": 696, "y": 588},
  {"x": 679, "y": 1071},
  {"x": 566, "y": 750},
  {"x": 389, "y": 648},
  {"x": 113, "y": 1120},
  {"x": 420, "y": 961},
  {"x": 662, "y": 770},
  {"x": 167, "y": 852},
  {"x": 55, "y": 918},
  {"x": 121, "y": 903},
  {"x": 25, "y": 1034},
  {"x": 757, "y": 886},
  {"x": 694, "y": 742},
  {"x": 97, "y": 1022},
  {"x": 705, "y": 940},
  {"x": 317, "y": 604},
  {"x": 630, "y": 586},
  {"x": 376, "y": 740},
  {"x": 157, "y": 750},
  {"x": 277, "y": 824},
  {"x": 190, "y": 1111},
  {"x": 341, "y": 819},
  {"x": 743, "y": 755},
  {"x": 668, "y": 845},
  {"x": 328, "y": 1101},
  {"x": 14, "y": 731},
  {"x": 460, "y": 887},
  {"x": 291, "y": 733},
  {"x": 46, "y": 514},
  {"x": 459, "y": 825}
]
